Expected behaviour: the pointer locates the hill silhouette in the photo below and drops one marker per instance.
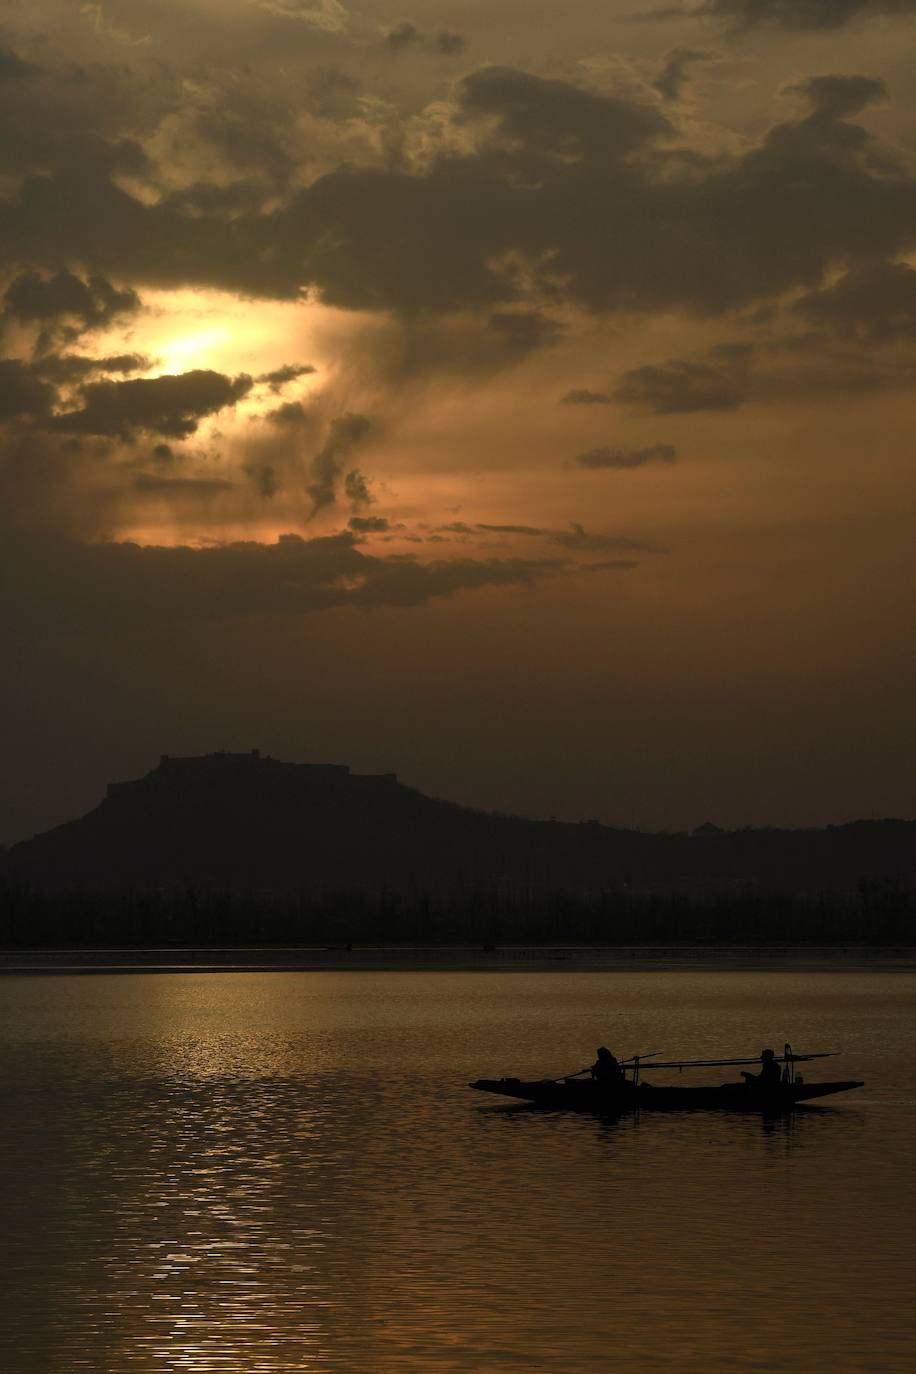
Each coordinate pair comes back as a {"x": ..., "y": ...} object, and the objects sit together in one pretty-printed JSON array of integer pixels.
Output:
[{"x": 250, "y": 823}]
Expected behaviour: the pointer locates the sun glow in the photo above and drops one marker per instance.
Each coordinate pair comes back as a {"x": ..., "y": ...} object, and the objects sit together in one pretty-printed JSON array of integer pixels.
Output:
[
  {"x": 180, "y": 331},
  {"x": 185, "y": 352},
  {"x": 239, "y": 473}
]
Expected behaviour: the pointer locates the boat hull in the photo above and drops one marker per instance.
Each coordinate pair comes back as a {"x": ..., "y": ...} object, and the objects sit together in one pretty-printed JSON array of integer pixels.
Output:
[{"x": 593, "y": 1097}]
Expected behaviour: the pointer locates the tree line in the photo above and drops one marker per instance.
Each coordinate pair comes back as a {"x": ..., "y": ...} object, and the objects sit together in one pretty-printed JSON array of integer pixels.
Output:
[{"x": 878, "y": 912}]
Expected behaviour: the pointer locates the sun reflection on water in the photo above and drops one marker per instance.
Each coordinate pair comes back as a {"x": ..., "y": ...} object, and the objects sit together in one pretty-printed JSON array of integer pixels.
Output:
[{"x": 256, "y": 1174}]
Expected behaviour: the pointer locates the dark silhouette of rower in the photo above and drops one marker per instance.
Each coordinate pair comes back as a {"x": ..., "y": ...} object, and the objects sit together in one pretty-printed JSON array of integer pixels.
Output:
[
  {"x": 769, "y": 1076},
  {"x": 606, "y": 1068}
]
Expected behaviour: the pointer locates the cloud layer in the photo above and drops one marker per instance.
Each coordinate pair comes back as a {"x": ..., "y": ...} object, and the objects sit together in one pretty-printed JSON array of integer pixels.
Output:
[
  {"x": 801, "y": 14},
  {"x": 528, "y": 186},
  {"x": 169, "y": 405},
  {"x": 102, "y": 588},
  {"x": 311, "y": 307}
]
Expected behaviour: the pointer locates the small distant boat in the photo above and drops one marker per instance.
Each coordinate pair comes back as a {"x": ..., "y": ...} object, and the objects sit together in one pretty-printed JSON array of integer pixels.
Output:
[{"x": 630, "y": 1093}]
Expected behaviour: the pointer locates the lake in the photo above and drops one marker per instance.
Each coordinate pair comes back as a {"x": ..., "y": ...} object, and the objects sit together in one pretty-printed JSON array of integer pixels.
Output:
[{"x": 265, "y": 1172}]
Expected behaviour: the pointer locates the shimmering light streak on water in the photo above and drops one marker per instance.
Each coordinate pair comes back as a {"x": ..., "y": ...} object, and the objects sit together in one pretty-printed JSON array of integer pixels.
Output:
[{"x": 260, "y": 1173}]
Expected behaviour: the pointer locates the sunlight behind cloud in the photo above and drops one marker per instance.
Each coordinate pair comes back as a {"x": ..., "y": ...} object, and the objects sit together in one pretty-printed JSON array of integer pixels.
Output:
[
  {"x": 184, "y": 330},
  {"x": 186, "y": 351}
]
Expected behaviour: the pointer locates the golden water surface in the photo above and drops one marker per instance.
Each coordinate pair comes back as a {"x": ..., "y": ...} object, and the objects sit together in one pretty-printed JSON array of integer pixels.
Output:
[{"x": 256, "y": 1173}]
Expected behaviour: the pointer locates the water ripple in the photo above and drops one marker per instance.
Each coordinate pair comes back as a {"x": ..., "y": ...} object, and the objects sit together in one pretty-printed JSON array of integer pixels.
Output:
[{"x": 266, "y": 1173}]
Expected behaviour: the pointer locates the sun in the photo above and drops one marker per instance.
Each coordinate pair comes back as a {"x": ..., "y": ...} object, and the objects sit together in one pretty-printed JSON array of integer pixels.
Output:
[
  {"x": 186, "y": 330},
  {"x": 187, "y": 352}
]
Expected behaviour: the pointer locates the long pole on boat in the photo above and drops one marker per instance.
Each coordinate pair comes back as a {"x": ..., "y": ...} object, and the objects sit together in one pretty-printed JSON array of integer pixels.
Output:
[
  {"x": 714, "y": 1063},
  {"x": 636, "y": 1062}
]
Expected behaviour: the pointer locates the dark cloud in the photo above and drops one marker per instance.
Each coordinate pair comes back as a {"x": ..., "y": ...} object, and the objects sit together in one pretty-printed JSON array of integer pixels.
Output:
[
  {"x": 280, "y": 376},
  {"x": 67, "y": 302},
  {"x": 370, "y": 237},
  {"x": 526, "y": 330},
  {"x": 582, "y": 541},
  {"x": 247, "y": 137},
  {"x": 623, "y": 458},
  {"x": 731, "y": 375},
  {"x": 356, "y": 488},
  {"x": 576, "y": 538},
  {"x": 65, "y": 368},
  {"x": 104, "y": 587},
  {"x": 386, "y": 239},
  {"x": 683, "y": 385},
  {"x": 800, "y": 14},
  {"x": 119, "y": 362},
  {"x": 559, "y": 119},
  {"x": 70, "y": 204},
  {"x": 332, "y": 93},
  {"x": 582, "y": 397},
  {"x": 506, "y": 529},
  {"x": 674, "y": 76},
  {"x": 450, "y": 44},
  {"x": 163, "y": 452},
  {"x": 170, "y": 405},
  {"x": 553, "y": 191},
  {"x": 368, "y": 524},
  {"x": 345, "y": 432},
  {"x": 13, "y": 68},
  {"x": 290, "y": 413},
  {"x": 837, "y": 98},
  {"x": 562, "y": 173},
  {"x": 406, "y": 35},
  {"x": 22, "y": 392},
  {"x": 875, "y": 303},
  {"x": 403, "y": 35}
]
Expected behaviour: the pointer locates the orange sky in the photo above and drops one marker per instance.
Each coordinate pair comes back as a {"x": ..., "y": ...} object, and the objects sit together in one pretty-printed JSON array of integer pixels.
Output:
[{"x": 516, "y": 398}]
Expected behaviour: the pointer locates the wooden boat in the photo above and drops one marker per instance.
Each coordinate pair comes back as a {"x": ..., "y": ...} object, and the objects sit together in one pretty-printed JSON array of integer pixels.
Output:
[{"x": 629, "y": 1093}]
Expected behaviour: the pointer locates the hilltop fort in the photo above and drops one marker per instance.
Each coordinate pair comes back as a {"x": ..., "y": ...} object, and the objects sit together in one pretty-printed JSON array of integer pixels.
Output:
[{"x": 246, "y": 822}]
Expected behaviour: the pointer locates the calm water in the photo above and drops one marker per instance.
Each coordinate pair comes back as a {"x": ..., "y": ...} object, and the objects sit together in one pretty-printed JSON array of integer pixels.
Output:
[{"x": 255, "y": 1173}]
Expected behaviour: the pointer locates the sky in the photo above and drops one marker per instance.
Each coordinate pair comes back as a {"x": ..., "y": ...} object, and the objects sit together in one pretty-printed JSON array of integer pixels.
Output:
[{"x": 514, "y": 396}]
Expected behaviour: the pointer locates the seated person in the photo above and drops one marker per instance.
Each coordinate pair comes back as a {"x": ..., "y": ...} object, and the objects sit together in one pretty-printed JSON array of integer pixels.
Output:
[
  {"x": 770, "y": 1075},
  {"x": 606, "y": 1069}
]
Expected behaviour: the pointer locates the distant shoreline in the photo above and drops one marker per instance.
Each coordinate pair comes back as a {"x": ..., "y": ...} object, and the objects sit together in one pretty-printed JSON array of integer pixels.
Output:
[{"x": 459, "y": 958}]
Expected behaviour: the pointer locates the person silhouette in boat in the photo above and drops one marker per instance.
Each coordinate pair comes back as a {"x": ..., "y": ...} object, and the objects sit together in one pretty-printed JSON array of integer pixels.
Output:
[
  {"x": 606, "y": 1068},
  {"x": 769, "y": 1076}
]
